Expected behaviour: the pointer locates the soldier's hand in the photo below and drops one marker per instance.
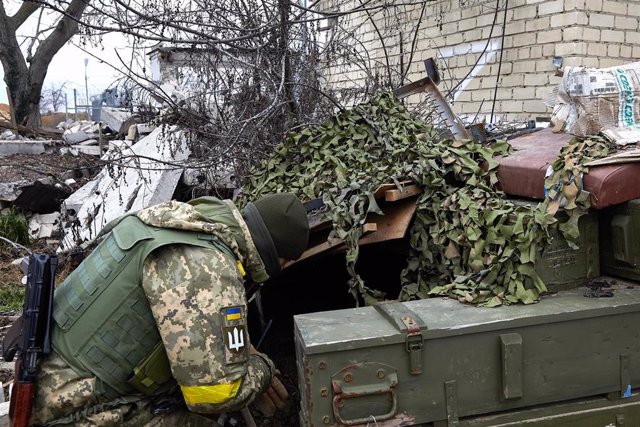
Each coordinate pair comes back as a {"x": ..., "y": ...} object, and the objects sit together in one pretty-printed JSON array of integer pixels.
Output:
[
  {"x": 275, "y": 396},
  {"x": 273, "y": 399}
]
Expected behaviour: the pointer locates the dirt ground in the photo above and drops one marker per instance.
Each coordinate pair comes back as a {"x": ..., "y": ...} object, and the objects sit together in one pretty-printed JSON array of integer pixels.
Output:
[{"x": 24, "y": 167}]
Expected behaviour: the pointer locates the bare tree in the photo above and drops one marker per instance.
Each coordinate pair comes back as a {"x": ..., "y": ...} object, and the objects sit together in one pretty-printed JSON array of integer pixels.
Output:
[
  {"x": 24, "y": 72},
  {"x": 255, "y": 66},
  {"x": 53, "y": 97}
]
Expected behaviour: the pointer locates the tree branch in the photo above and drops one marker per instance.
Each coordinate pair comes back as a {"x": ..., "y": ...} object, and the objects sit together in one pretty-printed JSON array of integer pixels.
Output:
[
  {"x": 65, "y": 29},
  {"x": 10, "y": 56},
  {"x": 26, "y": 10}
]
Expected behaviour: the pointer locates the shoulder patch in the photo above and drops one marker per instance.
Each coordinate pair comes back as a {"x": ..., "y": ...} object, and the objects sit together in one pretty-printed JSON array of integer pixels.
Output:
[{"x": 234, "y": 333}]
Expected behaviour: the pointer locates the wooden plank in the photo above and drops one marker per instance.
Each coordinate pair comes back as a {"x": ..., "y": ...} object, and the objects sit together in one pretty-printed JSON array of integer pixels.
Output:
[
  {"x": 367, "y": 229},
  {"x": 399, "y": 194},
  {"x": 379, "y": 193},
  {"x": 380, "y": 228},
  {"x": 393, "y": 224}
]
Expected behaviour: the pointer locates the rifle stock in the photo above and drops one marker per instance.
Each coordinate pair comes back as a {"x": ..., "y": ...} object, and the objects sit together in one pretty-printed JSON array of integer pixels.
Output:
[
  {"x": 35, "y": 339},
  {"x": 22, "y": 404}
]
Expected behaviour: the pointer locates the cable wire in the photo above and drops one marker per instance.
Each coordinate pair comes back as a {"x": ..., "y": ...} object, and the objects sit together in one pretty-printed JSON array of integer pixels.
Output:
[
  {"x": 495, "y": 91},
  {"x": 486, "y": 46}
]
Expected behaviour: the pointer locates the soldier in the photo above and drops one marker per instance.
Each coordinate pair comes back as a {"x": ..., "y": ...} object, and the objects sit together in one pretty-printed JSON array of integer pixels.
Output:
[{"x": 151, "y": 328}]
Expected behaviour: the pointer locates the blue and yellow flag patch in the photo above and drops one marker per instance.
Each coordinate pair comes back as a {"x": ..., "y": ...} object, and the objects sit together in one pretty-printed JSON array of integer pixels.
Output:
[{"x": 234, "y": 313}]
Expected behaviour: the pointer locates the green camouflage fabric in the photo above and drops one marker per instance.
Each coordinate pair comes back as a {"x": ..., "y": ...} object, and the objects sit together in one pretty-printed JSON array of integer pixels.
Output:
[
  {"x": 467, "y": 241},
  {"x": 188, "y": 289},
  {"x": 190, "y": 321}
]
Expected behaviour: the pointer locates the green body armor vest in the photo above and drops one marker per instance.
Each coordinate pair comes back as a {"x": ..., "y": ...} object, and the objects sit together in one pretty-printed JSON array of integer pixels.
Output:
[{"x": 103, "y": 322}]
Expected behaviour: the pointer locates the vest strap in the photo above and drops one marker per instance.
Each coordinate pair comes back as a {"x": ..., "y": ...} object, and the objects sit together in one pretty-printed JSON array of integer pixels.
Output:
[{"x": 153, "y": 371}]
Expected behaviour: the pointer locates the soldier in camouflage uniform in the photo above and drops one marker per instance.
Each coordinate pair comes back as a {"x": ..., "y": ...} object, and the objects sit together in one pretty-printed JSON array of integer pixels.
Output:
[{"x": 151, "y": 328}]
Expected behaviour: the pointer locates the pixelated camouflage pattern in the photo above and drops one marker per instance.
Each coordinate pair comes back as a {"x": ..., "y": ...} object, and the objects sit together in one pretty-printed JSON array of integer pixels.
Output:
[
  {"x": 186, "y": 287},
  {"x": 253, "y": 261},
  {"x": 65, "y": 399},
  {"x": 211, "y": 216},
  {"x": 60, "y": 391}
]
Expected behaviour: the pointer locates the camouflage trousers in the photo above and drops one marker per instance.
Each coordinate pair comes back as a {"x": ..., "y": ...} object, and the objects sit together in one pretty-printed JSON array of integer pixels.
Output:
[
  {"x": 142, "y": 416},
  {"x": 63, "y": 398}
]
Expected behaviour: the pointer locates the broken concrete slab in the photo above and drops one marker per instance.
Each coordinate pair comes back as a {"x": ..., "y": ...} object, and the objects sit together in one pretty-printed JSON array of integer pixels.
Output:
[
  {"x": 145, "y": 128},
  {"x": 89, "y": 142},
  {"x": 44, "y": 226},
  {"x": 118, "y": 145},
  {"x": 7, "y": 134},
  {"x": 4, "y": 414},
  {"x": 115, "y": 118},
  {"x": 8, "y": 148},
  {"x": 72, "y": 204},
  {"x": 132, "y": 134},
  {"x": 92, "y": 150},
  {"x": 71, "y": 137},
  {"x": 9, "y": 191},
  {"x": 138, "y": 176}
]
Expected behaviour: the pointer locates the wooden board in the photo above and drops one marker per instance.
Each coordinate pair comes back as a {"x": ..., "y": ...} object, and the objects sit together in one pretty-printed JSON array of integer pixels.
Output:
[
  {"x": 399, "y": 194},
  {"x": 380, "y": 191},
  {"x": 379, "y": 228},
  {"x": 368, "y": 228}
]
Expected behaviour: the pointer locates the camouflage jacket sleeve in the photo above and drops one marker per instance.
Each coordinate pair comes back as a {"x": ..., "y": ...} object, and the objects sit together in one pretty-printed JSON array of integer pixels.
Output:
[{"x": 198, "y": 301}]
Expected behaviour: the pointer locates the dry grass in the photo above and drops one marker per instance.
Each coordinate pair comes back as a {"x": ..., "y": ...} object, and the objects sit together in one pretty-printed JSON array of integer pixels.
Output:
[
  {"x": 4, "y": 112},
  {"x": 52, "y": 120}
]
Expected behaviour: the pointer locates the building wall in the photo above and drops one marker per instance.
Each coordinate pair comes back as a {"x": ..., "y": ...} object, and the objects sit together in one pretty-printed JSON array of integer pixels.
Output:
[{"x": 593, "y": 33}]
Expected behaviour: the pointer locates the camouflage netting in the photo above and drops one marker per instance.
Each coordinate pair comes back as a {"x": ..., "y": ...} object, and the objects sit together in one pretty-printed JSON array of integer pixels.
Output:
[{"x": 467, "y": 241}]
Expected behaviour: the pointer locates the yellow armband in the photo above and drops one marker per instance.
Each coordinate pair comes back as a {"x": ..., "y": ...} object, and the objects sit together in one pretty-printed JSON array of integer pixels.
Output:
[{"x": 218, "y": 393}]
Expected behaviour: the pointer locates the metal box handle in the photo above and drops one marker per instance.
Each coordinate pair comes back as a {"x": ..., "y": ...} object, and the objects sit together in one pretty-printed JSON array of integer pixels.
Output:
[
  {"x": 340, "y": 398},
  {"x": 362, "y": 380}
]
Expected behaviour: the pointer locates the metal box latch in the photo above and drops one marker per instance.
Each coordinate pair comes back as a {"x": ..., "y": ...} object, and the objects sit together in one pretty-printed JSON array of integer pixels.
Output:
[
  {"x": 414, "y": 344},
  {"x": 409, "y": 323}
]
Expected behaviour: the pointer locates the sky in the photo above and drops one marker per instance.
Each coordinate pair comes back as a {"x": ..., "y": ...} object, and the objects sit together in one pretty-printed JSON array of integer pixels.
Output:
[{"x": 68, "y": 65}]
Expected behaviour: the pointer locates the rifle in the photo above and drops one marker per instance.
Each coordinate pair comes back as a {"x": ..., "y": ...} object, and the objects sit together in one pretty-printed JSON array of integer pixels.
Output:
[{"x": 35, "y": 341}]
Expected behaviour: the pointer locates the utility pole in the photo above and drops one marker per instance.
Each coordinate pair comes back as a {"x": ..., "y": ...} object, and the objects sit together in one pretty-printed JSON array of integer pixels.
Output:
[
  {"x": 86, "y": 87},
  {"x": 75, "y": 102}
]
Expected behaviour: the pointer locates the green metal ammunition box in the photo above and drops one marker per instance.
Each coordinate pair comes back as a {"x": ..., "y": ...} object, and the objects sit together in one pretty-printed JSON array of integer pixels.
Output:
[
  {"x": 438, "y": 362},
  {"x": 561, "y": 267},
  {"x": 620, "y": 240}
]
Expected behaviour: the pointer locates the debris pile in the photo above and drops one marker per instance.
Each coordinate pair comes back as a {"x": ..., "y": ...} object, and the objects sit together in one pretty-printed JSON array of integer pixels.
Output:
[
  {"x": 136, "y": 176},
  {"x": 468, "y": 241}
]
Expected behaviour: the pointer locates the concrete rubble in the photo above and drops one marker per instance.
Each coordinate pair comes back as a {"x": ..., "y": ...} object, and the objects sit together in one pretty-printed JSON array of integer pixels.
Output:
[
  {"x": 42, "y": 196},
  {"x": 44, "y": 226},
  {"x": 9, "y": 191},
  {"x": 139, "y": 176},
  {"x": 8, "y": 148},
  {"x": 115, "y": 118},
  {"x": 7, "y": 135}
]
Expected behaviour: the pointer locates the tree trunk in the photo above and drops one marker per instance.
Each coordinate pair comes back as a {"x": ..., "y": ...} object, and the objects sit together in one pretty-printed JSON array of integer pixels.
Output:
[
  {"x": 25, "y": 82},
  {"x": 25, "y": 96}
]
